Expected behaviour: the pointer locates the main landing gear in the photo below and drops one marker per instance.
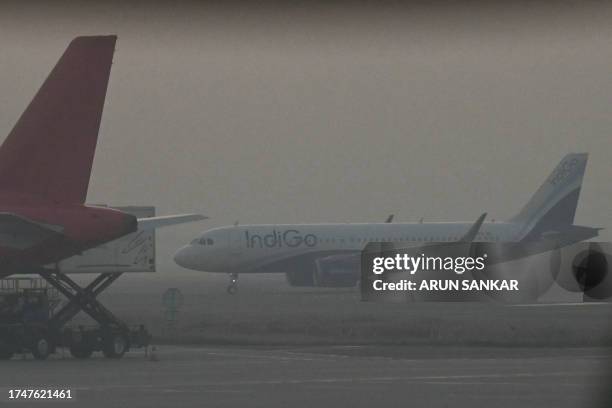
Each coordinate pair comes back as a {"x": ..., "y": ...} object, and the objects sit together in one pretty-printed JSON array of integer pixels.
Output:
[{"x": 233, "y": 286}]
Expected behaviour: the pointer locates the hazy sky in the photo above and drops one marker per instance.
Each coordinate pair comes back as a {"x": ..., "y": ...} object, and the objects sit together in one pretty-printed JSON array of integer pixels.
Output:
[{"x": 319, "y": 114}]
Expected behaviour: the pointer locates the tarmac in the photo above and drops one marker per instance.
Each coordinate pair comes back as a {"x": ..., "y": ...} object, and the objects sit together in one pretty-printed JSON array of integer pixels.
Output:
[{"x": 321, "y": 376}]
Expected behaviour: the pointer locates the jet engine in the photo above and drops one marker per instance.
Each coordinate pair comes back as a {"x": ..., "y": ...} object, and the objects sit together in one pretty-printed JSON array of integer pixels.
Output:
[
  {"x": 335, "y": 271},
  {"x": 588, "y": 271},
  {"x": 535, "y": 275}
]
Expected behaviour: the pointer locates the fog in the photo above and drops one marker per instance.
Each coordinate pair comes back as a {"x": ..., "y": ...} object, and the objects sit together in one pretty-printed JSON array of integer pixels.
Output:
[{"x": 280, "y": 114}]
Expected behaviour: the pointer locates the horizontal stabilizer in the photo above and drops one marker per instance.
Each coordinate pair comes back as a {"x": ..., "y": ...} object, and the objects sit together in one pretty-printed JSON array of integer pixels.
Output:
[
  {"x": 571, "y": 234},
  {"x": 21, "y": 233},
  {"x": 166, "y": 220}
]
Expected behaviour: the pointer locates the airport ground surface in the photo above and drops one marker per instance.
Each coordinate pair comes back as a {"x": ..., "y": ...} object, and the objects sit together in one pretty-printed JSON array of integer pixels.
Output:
[
  {"x": 325, "y": 376},
  {"x": 274, "y": 346},
  {"x": 268, "y": 312}
]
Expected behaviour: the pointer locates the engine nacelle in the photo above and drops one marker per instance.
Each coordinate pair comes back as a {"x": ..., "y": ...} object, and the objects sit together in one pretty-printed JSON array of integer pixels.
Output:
[
  {"x": 588, "y": 271},
  {"x": 336, "y": 271},
  {"x": 535, "y": 275},
  {"x": 300, "y": 278},
  {"x": 582, "y": 269}
]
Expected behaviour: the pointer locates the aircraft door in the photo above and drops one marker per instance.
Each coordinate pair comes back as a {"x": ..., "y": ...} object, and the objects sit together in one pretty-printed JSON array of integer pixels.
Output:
[{"x": 236, "y": 240}]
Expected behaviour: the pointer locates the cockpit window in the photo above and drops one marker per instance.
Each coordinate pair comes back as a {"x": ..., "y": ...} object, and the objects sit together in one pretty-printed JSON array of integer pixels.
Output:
[{"x": 203, "y": 241}]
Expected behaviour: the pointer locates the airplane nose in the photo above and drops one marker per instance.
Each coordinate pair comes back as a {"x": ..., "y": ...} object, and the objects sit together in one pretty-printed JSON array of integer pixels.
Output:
[{"x": 183, "y": 257}]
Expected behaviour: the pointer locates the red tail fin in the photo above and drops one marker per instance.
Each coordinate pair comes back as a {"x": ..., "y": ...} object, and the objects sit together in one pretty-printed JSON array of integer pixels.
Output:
[{"x": 49, "y": 152}]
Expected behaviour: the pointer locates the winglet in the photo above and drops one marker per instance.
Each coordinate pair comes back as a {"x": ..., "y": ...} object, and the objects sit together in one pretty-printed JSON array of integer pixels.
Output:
[
  {"x": 166, "y": 220},
  {"x": 473, "y": 231}
]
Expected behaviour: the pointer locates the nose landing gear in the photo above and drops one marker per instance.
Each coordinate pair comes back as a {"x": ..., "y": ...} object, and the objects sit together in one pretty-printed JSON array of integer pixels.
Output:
[{"x": 233, "y": 286}]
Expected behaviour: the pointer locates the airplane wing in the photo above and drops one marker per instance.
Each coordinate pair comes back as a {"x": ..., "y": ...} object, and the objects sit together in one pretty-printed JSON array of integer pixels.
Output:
[
  {"x": 20, "y": 233},
  {"x": 166, "y": 220},
  {"x": 415, "y": 247}
]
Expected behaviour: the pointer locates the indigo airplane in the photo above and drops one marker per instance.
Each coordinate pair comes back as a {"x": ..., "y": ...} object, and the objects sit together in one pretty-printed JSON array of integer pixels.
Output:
[{"x": 327, "y": 255}]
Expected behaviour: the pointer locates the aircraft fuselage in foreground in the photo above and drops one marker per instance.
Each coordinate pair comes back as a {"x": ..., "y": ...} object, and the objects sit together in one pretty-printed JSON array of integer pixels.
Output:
[{"x": 39, "y": 234}]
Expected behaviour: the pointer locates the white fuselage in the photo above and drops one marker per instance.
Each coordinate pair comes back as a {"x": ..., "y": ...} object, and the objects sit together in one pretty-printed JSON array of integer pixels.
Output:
[
  {"x": 274, "y": 248},
  {"x": 283, "y": 248}
]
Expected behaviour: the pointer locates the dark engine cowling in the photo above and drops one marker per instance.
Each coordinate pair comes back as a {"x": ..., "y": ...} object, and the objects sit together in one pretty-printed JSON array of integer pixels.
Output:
[
  {"x": 588, "y": 273},
  {"x": 300, "y": 278},
  {"x": 336, "y": 271},
  {"x": 581, "y": 269},
  {"x": 535, "y": 273}
]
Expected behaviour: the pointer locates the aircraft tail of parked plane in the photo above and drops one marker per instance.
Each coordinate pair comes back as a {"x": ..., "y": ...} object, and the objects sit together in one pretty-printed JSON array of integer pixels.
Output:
[
  {"x": 553, "y": 206},
  {"x": 45, "y": 167},
  {"x": 49, "y": 152},
  {"x": 46, "y": 162}
]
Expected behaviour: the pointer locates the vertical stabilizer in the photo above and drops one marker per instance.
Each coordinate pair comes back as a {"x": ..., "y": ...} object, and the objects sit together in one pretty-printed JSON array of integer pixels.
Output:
[
  {"x": 49, "y": 152},
  {"x": 553, "y": 206}
]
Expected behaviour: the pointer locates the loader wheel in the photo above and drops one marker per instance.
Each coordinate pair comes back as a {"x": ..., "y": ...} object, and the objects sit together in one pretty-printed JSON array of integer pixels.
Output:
[
  {"x": 41, "y": 348},
  {"x": 115, "y": 345}
]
